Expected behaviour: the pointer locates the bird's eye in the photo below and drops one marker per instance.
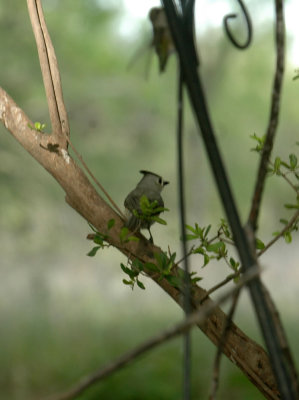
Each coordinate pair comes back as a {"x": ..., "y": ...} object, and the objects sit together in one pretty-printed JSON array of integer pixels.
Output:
[{"x": 160, "y": 181}]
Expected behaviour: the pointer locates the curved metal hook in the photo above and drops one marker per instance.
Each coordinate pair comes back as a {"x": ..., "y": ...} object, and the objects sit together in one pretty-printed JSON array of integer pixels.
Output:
[{"x": 249, "y": 27}]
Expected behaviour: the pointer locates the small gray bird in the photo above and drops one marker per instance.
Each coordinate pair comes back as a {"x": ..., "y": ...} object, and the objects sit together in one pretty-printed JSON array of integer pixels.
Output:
[{"x": 149, "y": 188}]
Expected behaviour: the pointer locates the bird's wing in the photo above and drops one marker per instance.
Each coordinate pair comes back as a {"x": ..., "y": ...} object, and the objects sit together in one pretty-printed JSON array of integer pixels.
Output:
[{"x": 132, "y": 201}]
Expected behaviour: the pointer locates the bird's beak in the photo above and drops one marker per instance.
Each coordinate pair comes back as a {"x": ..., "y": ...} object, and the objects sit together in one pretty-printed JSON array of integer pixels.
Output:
[{"x": 165, "y": 183}]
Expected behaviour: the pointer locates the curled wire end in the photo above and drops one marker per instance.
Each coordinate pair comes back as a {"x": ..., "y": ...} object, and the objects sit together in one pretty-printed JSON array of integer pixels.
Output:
[{"x": 241, "y": 46}]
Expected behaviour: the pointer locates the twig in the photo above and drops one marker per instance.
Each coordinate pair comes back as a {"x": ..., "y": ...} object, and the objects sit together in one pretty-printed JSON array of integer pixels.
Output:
[
  {"x": 216, "y": 368},
  {"x": 187, "y": 255},
  {"x": 285, "y": 229},
  {"x": 195, "y": 318},
  {"x": 96, "y": 181},
  {"x": 219, "y": 285},
  {"x": 237, "y": 274},
  {"x": 273, "y": 119},
  {"x": 286, "y": 178}
]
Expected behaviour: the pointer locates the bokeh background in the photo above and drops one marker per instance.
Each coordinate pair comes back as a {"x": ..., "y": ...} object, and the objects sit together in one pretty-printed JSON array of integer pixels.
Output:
[{"x": 63, "y": 314}]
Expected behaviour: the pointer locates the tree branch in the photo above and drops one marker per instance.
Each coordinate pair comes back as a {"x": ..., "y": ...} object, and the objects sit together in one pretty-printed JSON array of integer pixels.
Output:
[
  {"x": 273, "y": 119},
  {"x": 50, "y": 71},
  {"x": 281, "y": 233}
]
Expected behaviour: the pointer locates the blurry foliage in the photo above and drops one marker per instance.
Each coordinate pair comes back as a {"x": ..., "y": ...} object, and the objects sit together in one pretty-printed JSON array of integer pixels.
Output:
[{"x": 120, "y": 123}]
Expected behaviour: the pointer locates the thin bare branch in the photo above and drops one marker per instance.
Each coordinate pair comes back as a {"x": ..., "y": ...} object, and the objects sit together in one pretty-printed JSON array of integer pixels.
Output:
[
  {"x": 273, "y": 119},
  {"x": 96, "y": 181},
  {"x": 195, "y": 318},
  {"x": 220, "y": 284}
]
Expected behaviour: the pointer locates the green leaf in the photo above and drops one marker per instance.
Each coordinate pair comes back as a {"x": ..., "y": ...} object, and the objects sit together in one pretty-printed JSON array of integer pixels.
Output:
[
  {"x": 199, "y": 250},
  {"x": 190, "y": 228},
  {"x": 284, "y": 221},
  {"x": 144, "y": 202},
  {"x": 140, "y": 284},
  {"x": 206, "y": 259},
  {"x": 190, "y": 237},
  {"x": 194, "y": 278},
  {"x": 277, "y": 163},
  {"x": 287, "y": 237},
  {"x": 207, "y": 230},
  {"x": 175, "y": 281},
  {"x": 93, "y": 251},
  {"x": 260, "y": 142},
  {"x": 151, "y": 266},
  {"x": 39, "y": 126},
  {"x": 125, "y": 269},
  {"x": 130, "y": 283},
  {"x": 259, "y": 244},
  {"x": 110, "y": 224},
  {"x": 159, "y": 220},
  {"x": 293, "y": 161},
  {"x": 132, "y": 238},
  {"x": 234, "y": 264},
  {"x": 123, "y": 234},
  {"x": 225, "y": 228},
  {"x": 137, "y": 264},
  {"x": 292, "y": 206},
  {"x": 132, "y": 274},
  {"x": 99, "y": 239},
  {"x": 216, "y": 247},
  {"x": 162, "y": 260},
  {"x": 172, "y": 258},
  {"x": 197, "y": 231}
]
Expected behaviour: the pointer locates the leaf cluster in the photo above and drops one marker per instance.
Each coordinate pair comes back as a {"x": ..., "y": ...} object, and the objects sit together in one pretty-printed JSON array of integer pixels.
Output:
[
  {"x": 215, "y": 247},
  {"x": 100, "y": 239},
  {"x": 38, "y": 126},
  {"x": 150, "y": 211},
  {"x": 289, "y": 171},
  {"x": 164, "y": 267}
]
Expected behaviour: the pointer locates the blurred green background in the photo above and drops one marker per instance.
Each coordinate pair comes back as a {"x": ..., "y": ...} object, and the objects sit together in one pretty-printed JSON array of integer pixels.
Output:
[{"x": 63, "y": 314}]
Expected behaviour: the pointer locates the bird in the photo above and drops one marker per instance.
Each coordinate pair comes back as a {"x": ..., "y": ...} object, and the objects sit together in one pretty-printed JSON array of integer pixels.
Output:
[
  {"x": 144, "y": 202},
  {"x": 162, "y": 40}
]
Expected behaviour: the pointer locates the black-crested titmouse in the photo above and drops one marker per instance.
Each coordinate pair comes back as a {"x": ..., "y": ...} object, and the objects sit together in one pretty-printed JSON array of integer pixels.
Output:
[{"x": 150, "y": 186}]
